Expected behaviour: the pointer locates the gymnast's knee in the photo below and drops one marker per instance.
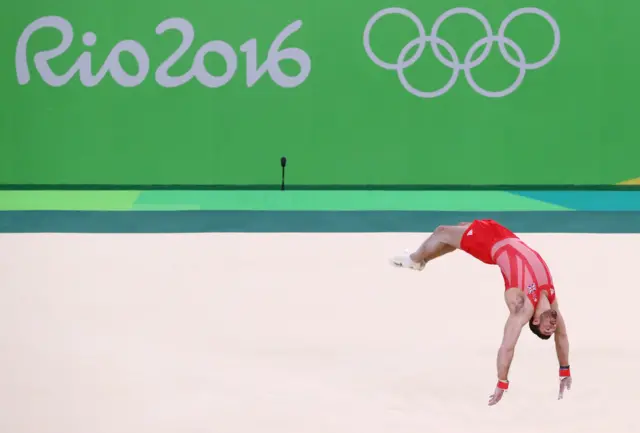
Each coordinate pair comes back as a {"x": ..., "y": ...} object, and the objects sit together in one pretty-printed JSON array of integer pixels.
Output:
[{"x": 450, "y": 235}]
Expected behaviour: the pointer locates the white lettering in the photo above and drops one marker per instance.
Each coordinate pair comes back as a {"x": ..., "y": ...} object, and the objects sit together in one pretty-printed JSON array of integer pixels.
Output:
[
  {"x": 83, "y": 64},
  {"x": 200, "y": 70},
  {"x": 186, "y": 29},
  {"x": 112, "y": 65},
  {"x": 274, "y": 57},
  {"x": 41, "y": 59}
]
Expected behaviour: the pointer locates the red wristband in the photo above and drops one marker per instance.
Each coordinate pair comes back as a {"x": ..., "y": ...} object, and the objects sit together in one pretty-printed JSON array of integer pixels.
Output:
[
  {"x": 565, "y": 371},
  {"x": 503, "y": 384}
]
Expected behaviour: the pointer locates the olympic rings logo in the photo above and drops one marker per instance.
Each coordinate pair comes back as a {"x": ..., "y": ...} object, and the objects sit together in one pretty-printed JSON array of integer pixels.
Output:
[{"x": 468, "y": 64}]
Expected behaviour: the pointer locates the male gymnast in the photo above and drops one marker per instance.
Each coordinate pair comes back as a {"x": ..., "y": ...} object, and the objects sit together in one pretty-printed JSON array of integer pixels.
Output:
[{"x": 529, "y": 291}]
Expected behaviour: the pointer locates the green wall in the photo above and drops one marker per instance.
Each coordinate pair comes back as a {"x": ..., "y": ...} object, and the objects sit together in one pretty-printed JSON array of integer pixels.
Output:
[{"x": 338, "y": 116}]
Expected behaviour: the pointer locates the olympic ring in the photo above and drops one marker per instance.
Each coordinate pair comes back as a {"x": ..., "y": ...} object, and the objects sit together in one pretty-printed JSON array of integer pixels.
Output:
[{"x": 468, "y": 63}]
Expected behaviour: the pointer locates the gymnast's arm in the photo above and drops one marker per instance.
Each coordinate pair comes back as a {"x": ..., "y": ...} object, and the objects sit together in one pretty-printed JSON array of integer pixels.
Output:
[
  {"x": 512, "y": 330},
  {"x": 517, "y": 319},
  {"x": 561, "y": 339}
]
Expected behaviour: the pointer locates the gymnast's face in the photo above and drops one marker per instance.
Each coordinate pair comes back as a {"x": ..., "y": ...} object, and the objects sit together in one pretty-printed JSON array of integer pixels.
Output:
[{"x": 548, "y": 322}]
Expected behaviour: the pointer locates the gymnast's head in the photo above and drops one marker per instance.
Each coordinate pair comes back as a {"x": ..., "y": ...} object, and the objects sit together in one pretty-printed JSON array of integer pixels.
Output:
[{"x": 545, "y": 324}]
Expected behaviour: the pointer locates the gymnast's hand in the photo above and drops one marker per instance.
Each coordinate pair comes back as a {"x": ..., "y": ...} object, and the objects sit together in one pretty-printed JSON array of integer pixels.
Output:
[
  {"x": 498, "y": 393},
  {"x": 565, "y": 383}
]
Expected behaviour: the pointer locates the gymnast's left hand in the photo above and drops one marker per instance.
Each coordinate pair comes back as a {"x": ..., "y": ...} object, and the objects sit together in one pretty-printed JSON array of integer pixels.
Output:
[{"x": 496, "y": 396}]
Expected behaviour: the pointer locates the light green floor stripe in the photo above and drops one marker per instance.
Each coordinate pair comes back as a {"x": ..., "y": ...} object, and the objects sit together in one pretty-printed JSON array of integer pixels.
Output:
[
  {"x": 273, "y": 200},
  {"x": 340, "y": 201},
  {"x": 67, "y": 200}
]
